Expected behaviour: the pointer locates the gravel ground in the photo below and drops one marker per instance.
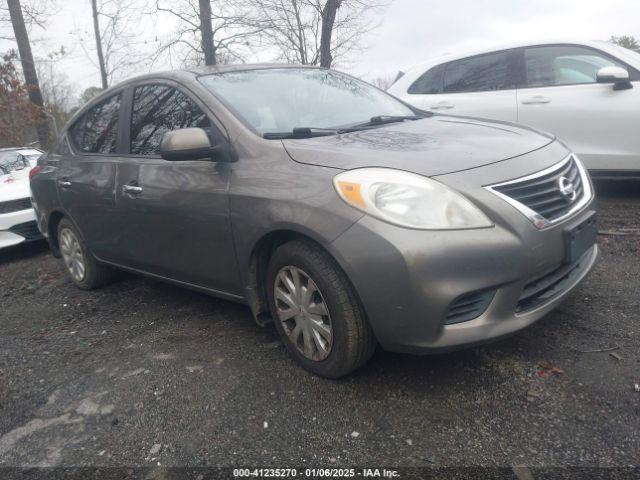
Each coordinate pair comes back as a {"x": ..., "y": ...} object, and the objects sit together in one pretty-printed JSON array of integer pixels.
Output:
[{"x": 141, "y": 373}]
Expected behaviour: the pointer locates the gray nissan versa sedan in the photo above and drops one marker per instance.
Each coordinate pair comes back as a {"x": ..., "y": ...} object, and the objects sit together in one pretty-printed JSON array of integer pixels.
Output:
[{"x": 329, "y": 207}]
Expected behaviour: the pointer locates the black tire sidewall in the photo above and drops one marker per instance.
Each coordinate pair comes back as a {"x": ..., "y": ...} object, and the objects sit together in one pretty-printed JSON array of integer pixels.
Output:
[{"x": 332, "y": 366}]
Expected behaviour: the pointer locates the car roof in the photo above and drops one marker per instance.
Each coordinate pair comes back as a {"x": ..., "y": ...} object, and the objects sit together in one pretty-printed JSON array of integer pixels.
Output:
[
  {"x": 470, "y": 52},
  {"x": 180, "y": 75},
  {"x": 192, "y": 72},
  {"x": 204, "y": 70}
]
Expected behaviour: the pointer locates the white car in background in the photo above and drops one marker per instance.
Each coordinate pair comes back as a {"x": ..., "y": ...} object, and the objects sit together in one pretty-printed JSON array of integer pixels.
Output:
[
  {"x": 586, "y": 93},
  {"x": 17, "y": 218}
]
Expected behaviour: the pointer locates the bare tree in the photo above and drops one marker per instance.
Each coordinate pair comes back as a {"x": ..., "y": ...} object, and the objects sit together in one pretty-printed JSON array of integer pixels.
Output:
[
  {"x": 113, "y": 40},
  {"x": 627, "y": 41},
  {"x": 328, "y": 15},
  {"x": 314, "y": 32},
  {"x": 98, "y": 34},
  {"x": 57, "y": 90},
  {"x": 383, "y": 83},
  {"x": 208, "y": 31},
  {"x": 29, "y": 69},
  {"x": 34, "y": 12}
]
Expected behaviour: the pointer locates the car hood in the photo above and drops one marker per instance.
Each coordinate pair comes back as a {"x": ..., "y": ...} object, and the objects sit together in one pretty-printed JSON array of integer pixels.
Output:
[
  {"x": 15, "y": 185},
  {"x": 432, "y": 146}
]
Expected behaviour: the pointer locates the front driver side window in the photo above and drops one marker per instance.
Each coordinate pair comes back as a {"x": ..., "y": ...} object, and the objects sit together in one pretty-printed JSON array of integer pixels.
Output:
[
  {"x": 564, "y": 65},
  {"x": 158, "y": 109}
]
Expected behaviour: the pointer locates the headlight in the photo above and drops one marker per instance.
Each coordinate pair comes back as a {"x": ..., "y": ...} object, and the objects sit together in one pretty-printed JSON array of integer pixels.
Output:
[{"x": 408, "y": 200}]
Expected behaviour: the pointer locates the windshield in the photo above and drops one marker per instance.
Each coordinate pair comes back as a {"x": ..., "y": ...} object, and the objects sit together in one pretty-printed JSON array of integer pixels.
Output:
[
  {"x": 631, "y": 55},
  {"x": 11, "y": 160},
  {"x": 279, "y": 100}
]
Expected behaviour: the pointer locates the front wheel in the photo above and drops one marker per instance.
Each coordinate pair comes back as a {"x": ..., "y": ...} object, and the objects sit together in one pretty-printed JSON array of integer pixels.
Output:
[{"x": 316, "y": 311}]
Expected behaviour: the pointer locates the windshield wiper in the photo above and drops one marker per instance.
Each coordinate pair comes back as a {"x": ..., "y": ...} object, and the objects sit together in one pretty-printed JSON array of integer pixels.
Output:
[
  {"x": 383, "y": 119},
  {"x": 302, "y": 132},
  {"x": 309, "y": 132}
]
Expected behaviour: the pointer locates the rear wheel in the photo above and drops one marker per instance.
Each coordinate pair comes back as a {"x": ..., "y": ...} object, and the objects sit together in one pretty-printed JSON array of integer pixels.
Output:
[
  {"x": 316, "y": 311},
  {"x": 83, "y": 268}
]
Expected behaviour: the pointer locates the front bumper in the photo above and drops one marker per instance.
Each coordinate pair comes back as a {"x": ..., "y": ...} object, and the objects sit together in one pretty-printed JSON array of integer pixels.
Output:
[
  {"x": 18, "y": 227},
  {"x": 408, "y": 280}
]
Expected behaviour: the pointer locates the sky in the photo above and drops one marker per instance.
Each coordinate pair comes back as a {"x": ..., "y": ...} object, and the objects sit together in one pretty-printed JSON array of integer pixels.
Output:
[{"x": 409, "y": 31}]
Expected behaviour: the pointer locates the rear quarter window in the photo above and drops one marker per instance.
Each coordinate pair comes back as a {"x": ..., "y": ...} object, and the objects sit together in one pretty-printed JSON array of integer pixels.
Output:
[
  {"x": 429, "y": 83},
  {"x": 97, "y": 130}
]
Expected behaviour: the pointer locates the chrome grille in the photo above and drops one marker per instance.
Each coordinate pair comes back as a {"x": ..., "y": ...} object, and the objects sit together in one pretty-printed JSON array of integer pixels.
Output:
[
  {"x": 548, "y": 196},
  {"x": 15, "y": 205}
]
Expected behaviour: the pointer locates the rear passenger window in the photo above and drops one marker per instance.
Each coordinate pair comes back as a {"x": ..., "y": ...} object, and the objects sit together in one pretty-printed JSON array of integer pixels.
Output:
[
  {"x": 478, "y": 74},
  {"x": 97, "y": 130},
  {"x": 429, "y": 83},
  {"x": 158, "y": 109}
]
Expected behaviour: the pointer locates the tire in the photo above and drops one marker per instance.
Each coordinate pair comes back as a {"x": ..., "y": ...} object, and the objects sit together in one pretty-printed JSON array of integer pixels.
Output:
[
  {"x": 352, "y": 341},
  {"x": 94, "y": 274}
]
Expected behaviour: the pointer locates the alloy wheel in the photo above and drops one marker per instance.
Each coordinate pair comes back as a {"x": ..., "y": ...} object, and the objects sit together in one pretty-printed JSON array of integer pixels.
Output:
[{"x": 72, "y": 254}]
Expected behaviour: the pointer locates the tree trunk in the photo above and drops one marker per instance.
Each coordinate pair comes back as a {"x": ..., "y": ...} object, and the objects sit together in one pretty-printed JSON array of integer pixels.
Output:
[
  {"x": 98, "y": 35},
  {"x": 206, "y": 32},
  {"x": 328, "y": 19},
  {"x": 29, "y": 70},
  {"x": 299, "y": 33}
]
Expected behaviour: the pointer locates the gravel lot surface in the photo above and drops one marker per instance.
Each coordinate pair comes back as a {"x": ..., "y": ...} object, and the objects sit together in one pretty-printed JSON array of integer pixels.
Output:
[{"x": 142, "y": 373}]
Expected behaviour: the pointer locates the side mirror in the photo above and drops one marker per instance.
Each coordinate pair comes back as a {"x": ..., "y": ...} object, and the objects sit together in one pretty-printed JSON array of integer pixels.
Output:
[
  {"x": 616, "y": 75},
  {"x": 187, "y": 144}
]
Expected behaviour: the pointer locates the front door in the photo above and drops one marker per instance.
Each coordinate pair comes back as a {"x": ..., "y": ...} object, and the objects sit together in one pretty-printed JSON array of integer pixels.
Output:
[
  {"x": 175, "y": 214},
  {"x": 561, "y": 96}
]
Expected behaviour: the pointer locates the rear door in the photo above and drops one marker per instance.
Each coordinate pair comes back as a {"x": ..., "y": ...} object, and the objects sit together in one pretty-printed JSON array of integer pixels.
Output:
[
  {"x": 559, "y": 94},
  {"x": 175, "y": 214},
  {"x": 86, "y": 175},
  {"x": 480, "y": 86}
]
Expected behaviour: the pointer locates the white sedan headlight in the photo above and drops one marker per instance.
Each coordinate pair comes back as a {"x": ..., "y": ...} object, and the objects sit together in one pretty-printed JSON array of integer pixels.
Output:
[{"x": 408, "y": 200}]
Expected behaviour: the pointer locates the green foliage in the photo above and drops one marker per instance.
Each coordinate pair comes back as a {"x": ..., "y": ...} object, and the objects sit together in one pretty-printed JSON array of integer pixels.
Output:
[
  {"x": 88, "y": 94},
  {"x": 627, "y": 41},
  {"x": 18, "y": 115}
]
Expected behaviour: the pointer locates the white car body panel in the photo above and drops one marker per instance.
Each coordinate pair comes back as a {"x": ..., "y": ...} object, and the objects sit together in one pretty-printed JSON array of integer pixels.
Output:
[
  {"x": 15, "y": 186},
  {"x": 8, "y": 220},
  {"x": 599, "y": 123},
  {"x": 500, "y": 105}
]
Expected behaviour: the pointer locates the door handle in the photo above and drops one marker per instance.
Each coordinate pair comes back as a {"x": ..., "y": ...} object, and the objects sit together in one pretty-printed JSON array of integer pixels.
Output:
[
  {"x": 131, "y": 189},
  {"x": 442, "y": 106},
  {"x": 64, "y": 182},
  {"x": 536, "y": 100}
]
